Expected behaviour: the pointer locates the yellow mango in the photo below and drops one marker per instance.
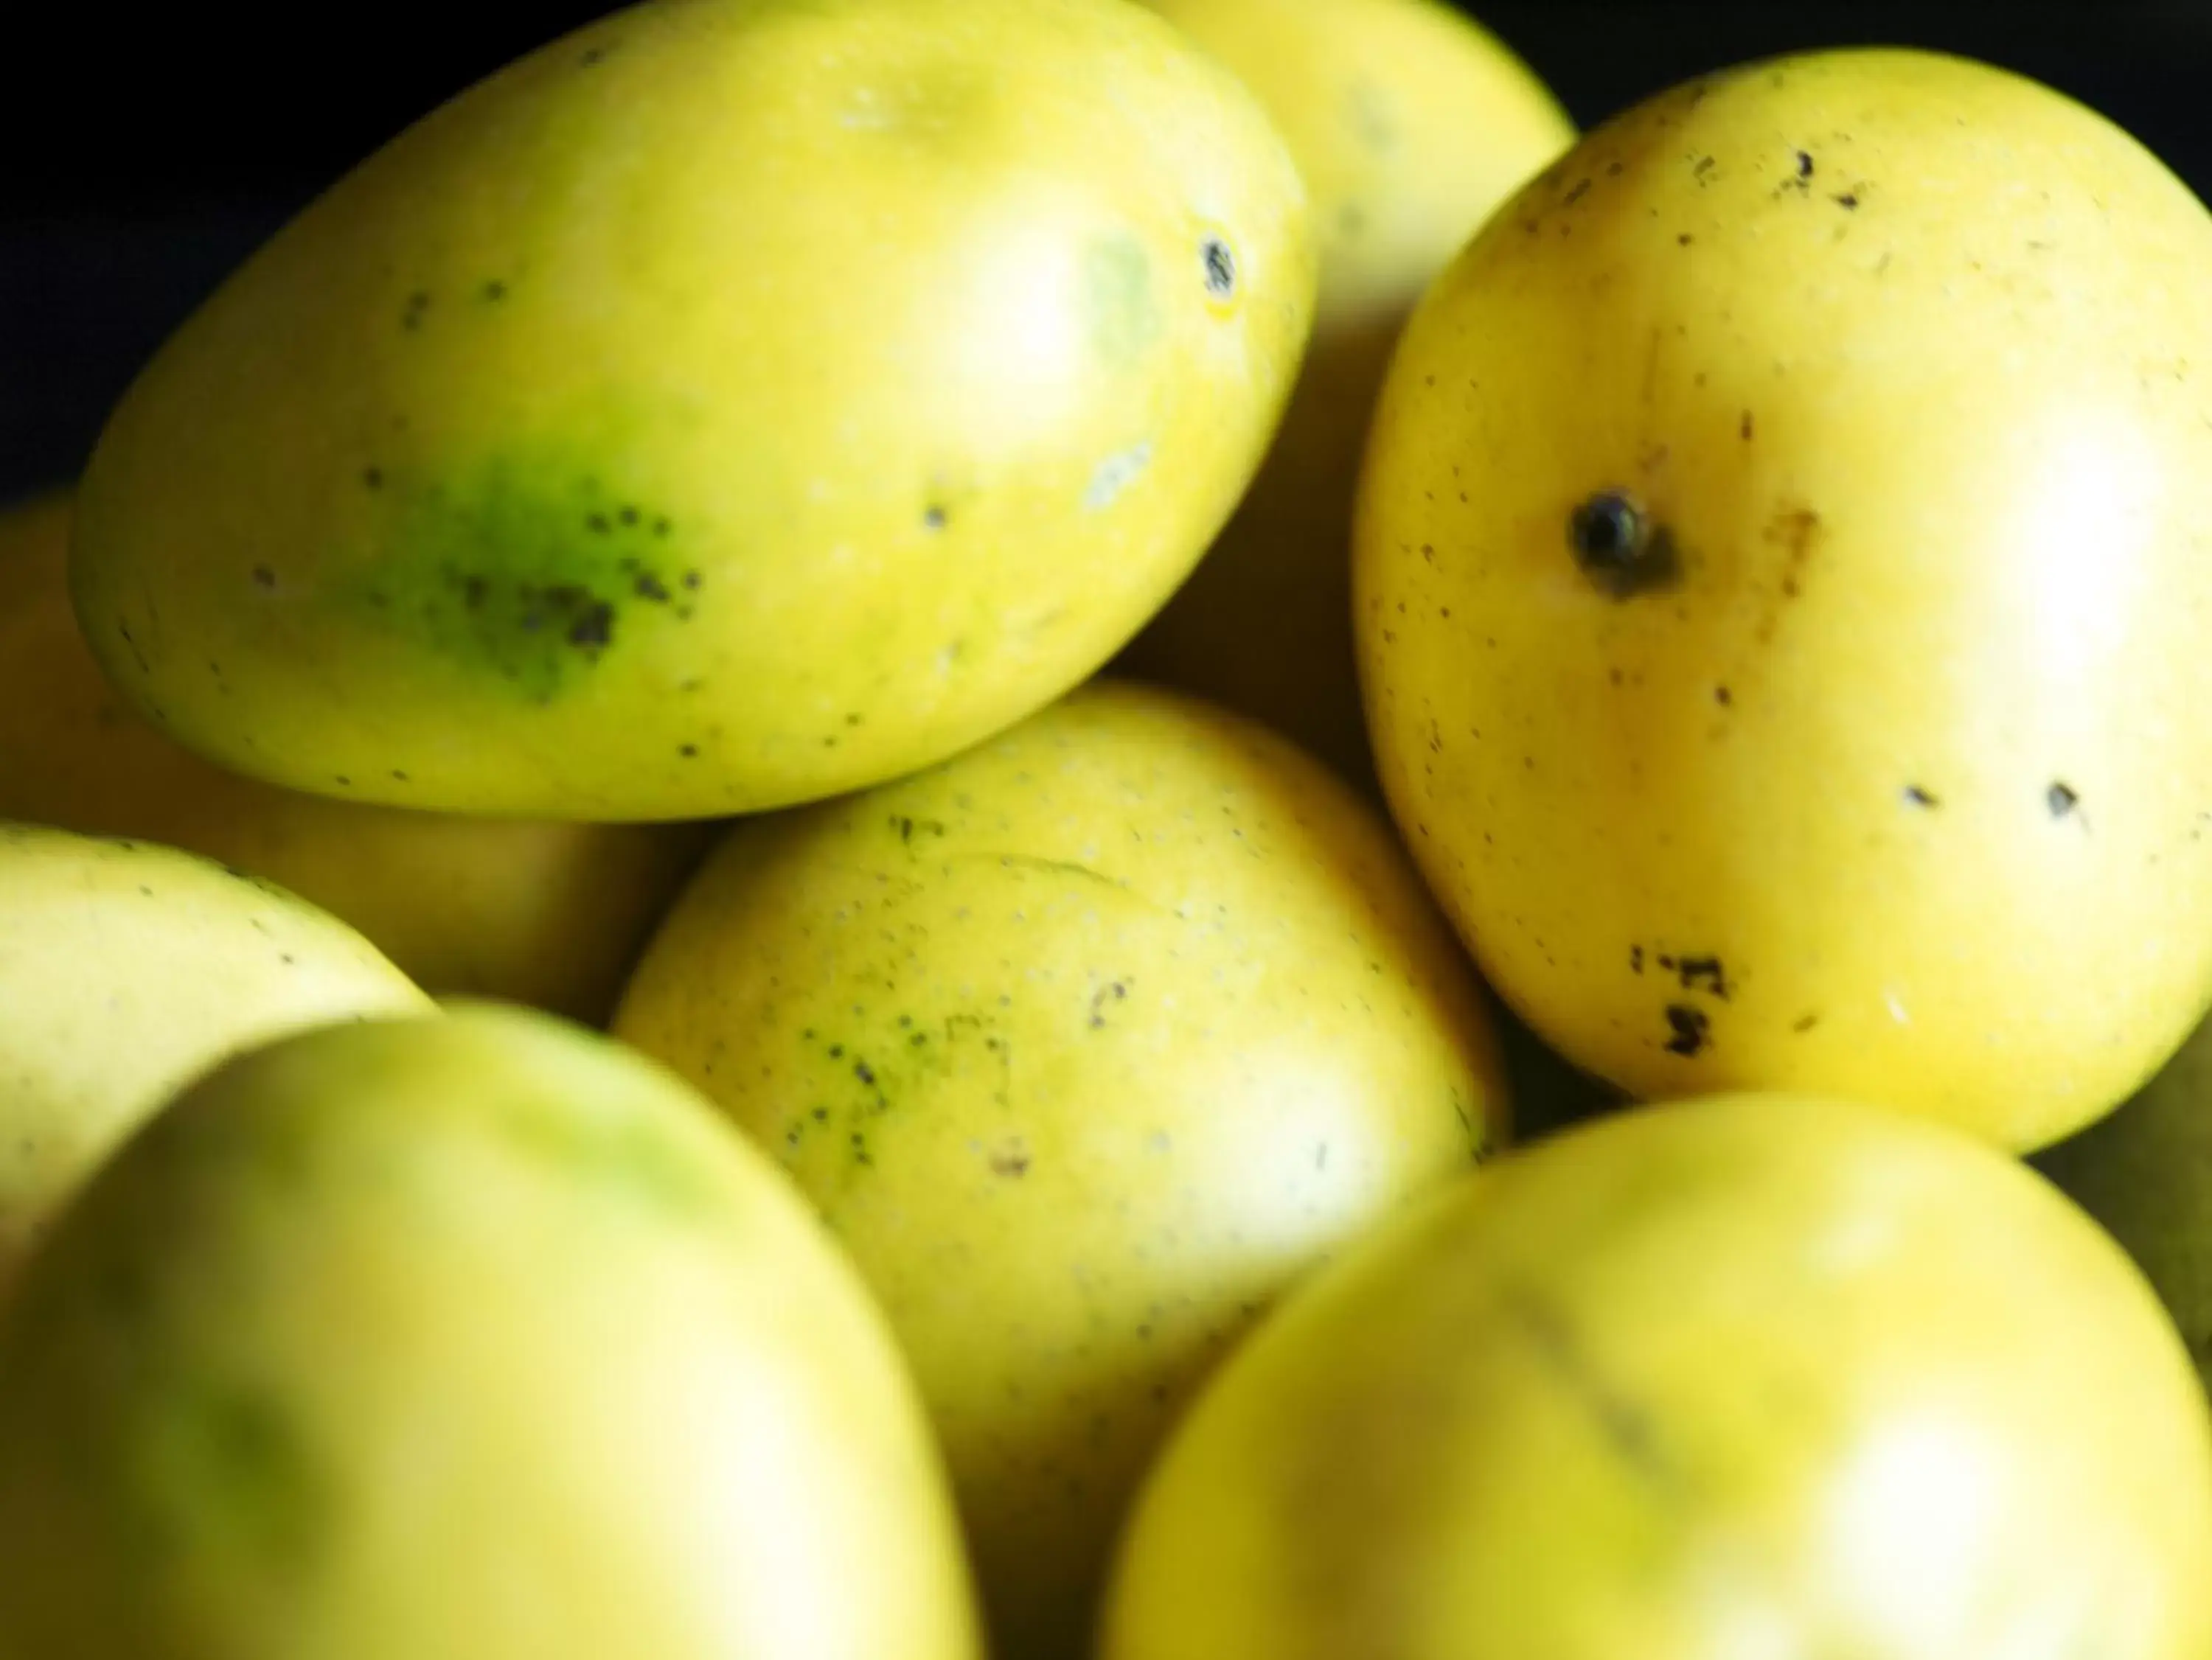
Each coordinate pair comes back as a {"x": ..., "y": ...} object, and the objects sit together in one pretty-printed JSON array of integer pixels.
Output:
[
  {"x": 126, "y": 969},
  {"x": 1784, "y": 583},
  {"x": 1410, "y": 124},
  {"x": 476, "y": 1338},
  {"x": 732, "y": 403},
  {"x": 1747, "y": 1376},
  {"x": 1086, "y": 1043}
]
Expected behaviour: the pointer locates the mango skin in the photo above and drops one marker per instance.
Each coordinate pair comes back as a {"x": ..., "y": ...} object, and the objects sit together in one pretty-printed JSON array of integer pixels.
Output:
[
  {"x": 1410, "y": 124},
  {"x": 127, "y": 968},
  {"x": 736, "y": 402},
  {"x": 1086, "y": 1044},
  {"x": 1749, "y": 1375},
  {"x": 1880, "y": 770},
  {"x": 532, "y": 911},
  {"x": 471, "y": 1339},
  {"x": 2145, "y": 1172}
]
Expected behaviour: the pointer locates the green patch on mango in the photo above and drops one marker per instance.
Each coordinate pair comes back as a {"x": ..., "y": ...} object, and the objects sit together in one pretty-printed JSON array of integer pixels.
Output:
[
  {"x": 529, "y": 567},
  {"x": 222, "y": 1472},
  {"x": 619, "y": 1155}
]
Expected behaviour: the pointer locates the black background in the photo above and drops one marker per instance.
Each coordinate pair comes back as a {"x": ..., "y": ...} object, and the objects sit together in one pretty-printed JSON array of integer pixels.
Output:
[{"x": 140, "y": 159}]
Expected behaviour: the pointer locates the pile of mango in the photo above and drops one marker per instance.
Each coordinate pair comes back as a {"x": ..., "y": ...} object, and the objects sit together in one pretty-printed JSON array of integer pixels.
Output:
[{"x": 897, "y": 829}]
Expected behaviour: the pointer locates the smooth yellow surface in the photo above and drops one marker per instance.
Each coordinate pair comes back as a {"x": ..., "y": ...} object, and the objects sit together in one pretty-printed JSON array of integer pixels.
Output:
[
  {"x": 475, "y": 1339},
  {"x": 1899, "y": 788},
  {"x": 1086, "y": 1044},
  {"x": 1754, "y": 1377},
  {"x": 2145, "y": 1173},
  {"x": 735, "y": 402},
  {"x": 539, "y": 911},
  {"x": 125, "y": 968},
  {"x": 1409, "y": 123}
]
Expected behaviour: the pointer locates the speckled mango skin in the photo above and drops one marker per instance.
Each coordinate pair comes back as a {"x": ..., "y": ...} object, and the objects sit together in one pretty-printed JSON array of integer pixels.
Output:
[
  {"x": 1086, "y": 1044},
  {"x": 472, "y": 1339},
  {"x": 1410, "y": 124},
  {"x": 127, "y": 968},
  {"x": 536, "y": 910},
  {"x": 1882, "y": 770},
  {"x": 733, "y": 404},
  {"x": 1757, "y": 1376}
]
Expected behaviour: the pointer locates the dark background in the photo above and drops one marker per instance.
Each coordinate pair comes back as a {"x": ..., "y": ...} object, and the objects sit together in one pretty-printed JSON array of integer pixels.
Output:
[{"x": 140, "y": 159}]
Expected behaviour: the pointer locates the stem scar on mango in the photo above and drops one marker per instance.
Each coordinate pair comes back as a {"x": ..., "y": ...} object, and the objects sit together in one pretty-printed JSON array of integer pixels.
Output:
[
  {"x": 1220, "y": 268},
  {"x": 1620, "y": 548}
]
